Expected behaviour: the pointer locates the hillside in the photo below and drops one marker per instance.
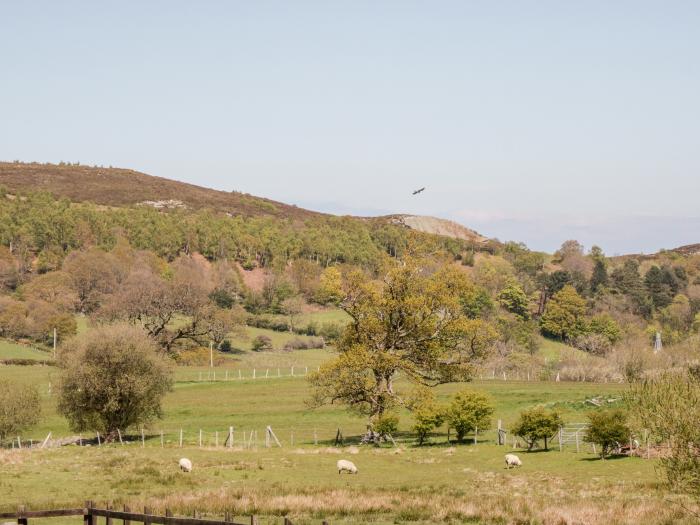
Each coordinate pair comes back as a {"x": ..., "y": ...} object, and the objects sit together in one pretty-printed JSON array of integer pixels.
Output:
[
  {"x": 436, "y": 226},
  {"x": 123, "y": 187}
]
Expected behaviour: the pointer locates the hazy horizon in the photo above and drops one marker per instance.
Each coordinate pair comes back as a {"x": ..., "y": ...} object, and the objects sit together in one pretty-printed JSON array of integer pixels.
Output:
[{"x": 528, "y": 121}]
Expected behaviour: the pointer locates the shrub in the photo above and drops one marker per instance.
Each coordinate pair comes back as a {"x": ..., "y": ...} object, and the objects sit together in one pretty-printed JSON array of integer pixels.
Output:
[
  {"x": 19, "y": 408},
  {"x": 595, "y": 344},
  {"x": 469, "y": 410},
  {"x": 386, "y": 425},
  {"x": 304, "y": 344},
  {"x": 225, "y": 346},
  {"x": 607, "y": 429},
  {"x": 112, "y": 378},
  {"x": 331, "y": 331},
  {"x": 427, "y": 414},
  {"x": 667, "y": 406},
  {"x": 261, "y": 343},
  {"x": 537, "y": 424}
]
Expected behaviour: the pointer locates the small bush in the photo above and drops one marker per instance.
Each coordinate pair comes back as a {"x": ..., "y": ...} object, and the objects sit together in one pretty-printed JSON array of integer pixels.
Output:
[
  {"x": 468, "y": 411},
  {"x": 19, "y": 408},
  {"x": 537, "y": 424},
  {"x": 607, "y": 429},
  {"x": 305, "y": 344},
  {"x": 386, "y": 425},
  {"x": 261, "y": 343},
  {"x": 225, "y": 346},
  {"x": 331, "y": 331}
]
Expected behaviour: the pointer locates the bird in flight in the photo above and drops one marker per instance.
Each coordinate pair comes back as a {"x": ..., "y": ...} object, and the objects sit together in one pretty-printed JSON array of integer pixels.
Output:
[{"x": 418, "y": 191}]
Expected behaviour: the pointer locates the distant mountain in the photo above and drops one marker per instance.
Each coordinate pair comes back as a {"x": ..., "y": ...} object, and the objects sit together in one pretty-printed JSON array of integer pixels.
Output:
[{"x": 123, "y": 187}]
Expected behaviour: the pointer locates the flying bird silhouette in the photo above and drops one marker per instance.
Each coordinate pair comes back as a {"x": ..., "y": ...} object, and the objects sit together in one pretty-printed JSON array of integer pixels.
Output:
[{"x": 418, "y": 191}]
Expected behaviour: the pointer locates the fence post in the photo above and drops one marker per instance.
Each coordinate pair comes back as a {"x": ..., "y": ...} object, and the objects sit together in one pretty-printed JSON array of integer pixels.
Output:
[
  {"x": 476, "y": 431},
  {"x": 99, "y": 441},
  {"x": 577, "y": 442},
  {"x": 146, "y": 511},
  {"x": 162, "y": 441},
  {"x": 315, "y": 437},
  {"x": 90, "y": 517},
  {"x": 216, "y": 438},
  {"x": 168, "y": 513},
  {"x": 127, "y": 509},
  {"x": 108, "y": 519},
  {"x": 230, "y": 437},
  {"x": 21, "y": 519},
  {"x": 180, "y": 438},
  {"x": 253, "y": 520},
  {"x": 143, "y": 438},
  {"x": 560, "y": 446},
  {"x": 200, "y": 438},
  {"x": 120, "y": 436}
]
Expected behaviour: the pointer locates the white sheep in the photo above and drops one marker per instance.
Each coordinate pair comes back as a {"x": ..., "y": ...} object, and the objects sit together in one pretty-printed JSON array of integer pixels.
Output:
[
  {"x": 344, "y": 465},
  {"x": 185, "y": 465},
  {"x": 513, "y": 461}
]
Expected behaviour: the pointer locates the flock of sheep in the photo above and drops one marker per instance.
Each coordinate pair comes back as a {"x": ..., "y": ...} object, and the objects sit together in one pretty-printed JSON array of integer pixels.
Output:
[{"x": 343, "y": 465}]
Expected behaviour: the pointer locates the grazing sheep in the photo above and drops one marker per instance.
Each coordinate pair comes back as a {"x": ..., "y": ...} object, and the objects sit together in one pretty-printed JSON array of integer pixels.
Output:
[
  {"x": 185, "y": 465},
  {"x": 346, "y": 466},
  {"x": 513, "y": 461}
]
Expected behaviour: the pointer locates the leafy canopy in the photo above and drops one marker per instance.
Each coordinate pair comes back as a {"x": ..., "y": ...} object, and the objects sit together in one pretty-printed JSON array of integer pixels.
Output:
[{"x": 411, "y": 323}]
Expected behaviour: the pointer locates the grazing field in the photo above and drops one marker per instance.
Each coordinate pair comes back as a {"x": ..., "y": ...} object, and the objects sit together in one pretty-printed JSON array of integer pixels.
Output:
[
  {"x": 408, "y": 484},
  {"x": 9, "y": 350}
]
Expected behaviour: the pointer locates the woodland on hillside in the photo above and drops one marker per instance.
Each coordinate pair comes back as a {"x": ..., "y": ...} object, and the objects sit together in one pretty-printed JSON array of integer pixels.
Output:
[{"x": 183, "y": 276}]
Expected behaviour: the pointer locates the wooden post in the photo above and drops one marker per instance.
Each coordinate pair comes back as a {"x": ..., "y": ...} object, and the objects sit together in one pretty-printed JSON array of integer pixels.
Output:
[
  {"x": 315, "y": 437},
  {"x": 87, "y": 517},
  {"x": 162, "y": 441},
  {"x": 99, "y": 441},
  {"x": 93, "y": 518},
  {"x": 253, "y": 520},
  {"x": 120, "y": 436},
  {"x": 143, "y": 438},
  {"x": 54, "y": 343},
  {"x": 108, "y": 519},
  {"x": 292, "y": 372},
  {"x": 180, "y": 438},
  {"x": 498, "y": 434},
  {"x": 560, "y": 446},
  {"x": 147, "y": 512},
  {"x": 253, "y": 373},
  {"x": 239, "y": 374},
  {"x": 127, "y": 509},
  {"x": 577, "y": 443},
  {"x": 230, "y": 437},
  {"x": 21, "y": 519},
  {"x": 19, "y": 442},
  {"x": 211, "y": 354},
  {"x": 216, "y": 438},
  {"x": 476, "y": 431},
  {"x": 267, "y": 373},
  {"x": 200, "y": 438},
  {"x": 292, "y": 439}
]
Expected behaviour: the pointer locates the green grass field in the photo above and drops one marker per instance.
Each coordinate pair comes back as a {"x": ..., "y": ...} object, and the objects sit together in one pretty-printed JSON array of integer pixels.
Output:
[
  {"x": 440, "y": 482},
  {"x": 9, "y": 350}
]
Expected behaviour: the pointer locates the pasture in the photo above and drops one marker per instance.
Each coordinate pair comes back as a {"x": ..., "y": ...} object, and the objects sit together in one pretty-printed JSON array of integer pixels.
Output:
[{"x": 439, "y": 482}]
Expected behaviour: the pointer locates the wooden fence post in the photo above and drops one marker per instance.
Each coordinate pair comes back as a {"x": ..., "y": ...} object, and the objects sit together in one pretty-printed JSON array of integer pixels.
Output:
[
  {"x": 108, "y": 519},
  {"x": 21, "y": 519},
  {"x": 143, "y": 438},
  {"x": 120, "y": 436},
  {"x": 180, "y": 438},
  {"x": 162, "y": 441},
  {"x": 253, "y": 520},
  {"x": 127, "y": 509},
  {"x": 476, "y": 431},
  {"x": 200, "y": 438},
  {"x": 147, "y": 512},
  {"x": 230, "y": 437},
  {"x": 560, "y": 445}
]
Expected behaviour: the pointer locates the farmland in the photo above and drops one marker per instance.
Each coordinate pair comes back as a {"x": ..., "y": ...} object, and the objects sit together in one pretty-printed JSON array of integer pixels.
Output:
[{"x": 441, "y": 481}]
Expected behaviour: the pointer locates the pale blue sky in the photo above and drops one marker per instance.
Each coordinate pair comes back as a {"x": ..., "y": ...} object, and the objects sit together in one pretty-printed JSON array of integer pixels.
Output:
[{"x": 533, "y": 121}]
